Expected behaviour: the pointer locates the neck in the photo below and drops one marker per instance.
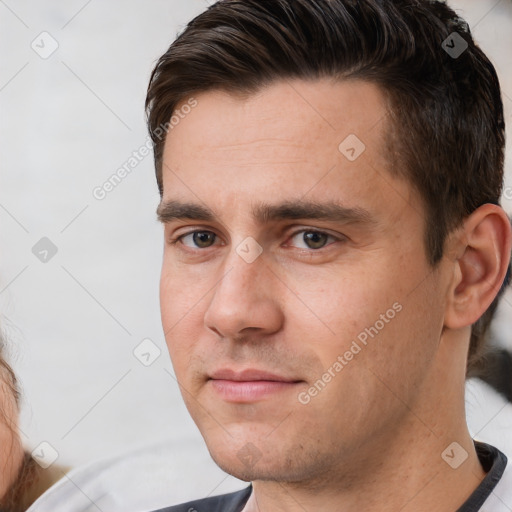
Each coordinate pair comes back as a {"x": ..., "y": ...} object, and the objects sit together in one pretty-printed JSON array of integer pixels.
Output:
[{"x": 411, "y": 480}]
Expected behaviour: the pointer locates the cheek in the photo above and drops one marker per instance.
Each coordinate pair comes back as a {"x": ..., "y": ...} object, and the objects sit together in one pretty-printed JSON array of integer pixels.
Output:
[
  {"x": 372, "y": 310},
  {"x": 180, "y": 295},
  {"x": 182, "y": 316},
  {"x": 337, "y": 306},
  {"x": 399, "y": 344}
]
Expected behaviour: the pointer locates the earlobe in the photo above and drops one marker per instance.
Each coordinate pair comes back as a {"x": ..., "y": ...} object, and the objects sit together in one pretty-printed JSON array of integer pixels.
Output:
[{"x": 481, "y": 266}]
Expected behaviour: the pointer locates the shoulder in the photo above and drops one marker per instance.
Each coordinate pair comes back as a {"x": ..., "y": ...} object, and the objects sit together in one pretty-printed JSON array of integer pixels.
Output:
[
  {"x": 232, "y": 502},
  {"x": 146, "y": 478},
  {"x": 500, "y": 499}
]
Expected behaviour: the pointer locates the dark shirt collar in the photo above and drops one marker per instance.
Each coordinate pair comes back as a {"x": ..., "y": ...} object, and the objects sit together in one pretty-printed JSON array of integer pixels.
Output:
[{"x": 493, "y": 462}]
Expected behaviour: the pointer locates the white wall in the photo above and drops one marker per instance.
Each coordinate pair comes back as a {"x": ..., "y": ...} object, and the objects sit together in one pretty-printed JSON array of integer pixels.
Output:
[{"x": 67, "y": 123}]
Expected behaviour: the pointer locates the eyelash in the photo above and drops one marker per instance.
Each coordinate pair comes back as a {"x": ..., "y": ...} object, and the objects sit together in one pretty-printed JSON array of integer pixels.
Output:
[{"x": 176, "y": 240}]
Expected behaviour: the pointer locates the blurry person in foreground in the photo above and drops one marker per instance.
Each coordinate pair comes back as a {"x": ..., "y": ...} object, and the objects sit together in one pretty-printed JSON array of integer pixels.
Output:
[{"x": 22, "y": 480}]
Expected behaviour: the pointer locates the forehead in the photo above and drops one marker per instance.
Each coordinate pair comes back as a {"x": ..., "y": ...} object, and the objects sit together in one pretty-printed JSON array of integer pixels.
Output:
[
  {"x": 289, "y": 140},
  {"x": 288, "y": 112}
]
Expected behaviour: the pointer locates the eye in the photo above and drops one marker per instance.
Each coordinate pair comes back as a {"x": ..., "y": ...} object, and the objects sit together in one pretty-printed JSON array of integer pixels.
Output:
[
  {"x": 199, "y": 239},
  {"x": 313, "y": 239},
  {"x": 309, "y": 238}
]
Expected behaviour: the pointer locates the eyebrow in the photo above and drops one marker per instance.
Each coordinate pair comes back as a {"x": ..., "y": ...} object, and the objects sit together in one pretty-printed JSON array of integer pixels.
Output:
[{"x": 264, "y": 213}]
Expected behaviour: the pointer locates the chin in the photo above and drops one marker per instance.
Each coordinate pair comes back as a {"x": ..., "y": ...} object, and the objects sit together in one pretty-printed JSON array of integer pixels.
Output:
[
  {"x": 250, "y": 461},
  {"x": 245, "y": 471}
]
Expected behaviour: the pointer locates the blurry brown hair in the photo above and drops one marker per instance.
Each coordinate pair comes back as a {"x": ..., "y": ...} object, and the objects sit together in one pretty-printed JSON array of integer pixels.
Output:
[{"x": 20, "y": 494}]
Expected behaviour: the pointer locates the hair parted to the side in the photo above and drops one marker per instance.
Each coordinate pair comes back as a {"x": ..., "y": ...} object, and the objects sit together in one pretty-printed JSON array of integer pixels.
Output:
[{"x": 445, "y": 130}]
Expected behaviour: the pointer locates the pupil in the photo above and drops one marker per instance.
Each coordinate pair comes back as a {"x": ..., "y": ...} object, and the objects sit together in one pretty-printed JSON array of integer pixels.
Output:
[
  {"x": 202, "y": 238},
  {"x": 315, "y": 239}
]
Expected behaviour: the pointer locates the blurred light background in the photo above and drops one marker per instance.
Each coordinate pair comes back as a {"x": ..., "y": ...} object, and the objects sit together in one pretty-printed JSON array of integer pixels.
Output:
[{"x": 73, "y": 78}]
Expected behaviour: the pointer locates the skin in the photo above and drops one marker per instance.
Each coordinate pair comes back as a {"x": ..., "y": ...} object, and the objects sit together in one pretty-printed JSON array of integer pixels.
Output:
[
  {"x": 372, "y": 438},
  {"x": 11, "y": 449}
]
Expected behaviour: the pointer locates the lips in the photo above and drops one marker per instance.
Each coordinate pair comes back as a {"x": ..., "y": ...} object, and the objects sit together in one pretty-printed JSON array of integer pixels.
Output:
[
  {"x": 249, "y": 375},
  {"x": 249, "y": 385}
]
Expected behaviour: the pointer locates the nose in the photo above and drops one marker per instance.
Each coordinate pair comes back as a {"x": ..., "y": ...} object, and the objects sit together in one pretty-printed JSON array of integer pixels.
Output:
[{"x": 246, "y": 299}]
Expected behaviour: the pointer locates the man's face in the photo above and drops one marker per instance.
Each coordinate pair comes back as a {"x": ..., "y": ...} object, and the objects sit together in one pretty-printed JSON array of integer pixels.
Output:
[{"x": 300, "y": 341}]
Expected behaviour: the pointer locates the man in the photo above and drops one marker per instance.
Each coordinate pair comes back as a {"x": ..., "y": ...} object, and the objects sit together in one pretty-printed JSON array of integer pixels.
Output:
[{"x": 334, "y": 250}]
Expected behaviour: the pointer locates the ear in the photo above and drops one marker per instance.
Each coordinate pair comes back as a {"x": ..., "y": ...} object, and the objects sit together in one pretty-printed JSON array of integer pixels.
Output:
[{"x": 480, "y": 266}]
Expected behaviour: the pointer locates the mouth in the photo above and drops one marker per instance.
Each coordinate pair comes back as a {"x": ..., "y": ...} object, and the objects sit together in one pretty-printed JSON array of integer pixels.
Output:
[{"x": 249, "y": 385}]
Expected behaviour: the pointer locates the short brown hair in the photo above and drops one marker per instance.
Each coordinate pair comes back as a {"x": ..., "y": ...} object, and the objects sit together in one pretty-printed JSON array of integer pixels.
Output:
[{"x": 446, "y": 126}]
